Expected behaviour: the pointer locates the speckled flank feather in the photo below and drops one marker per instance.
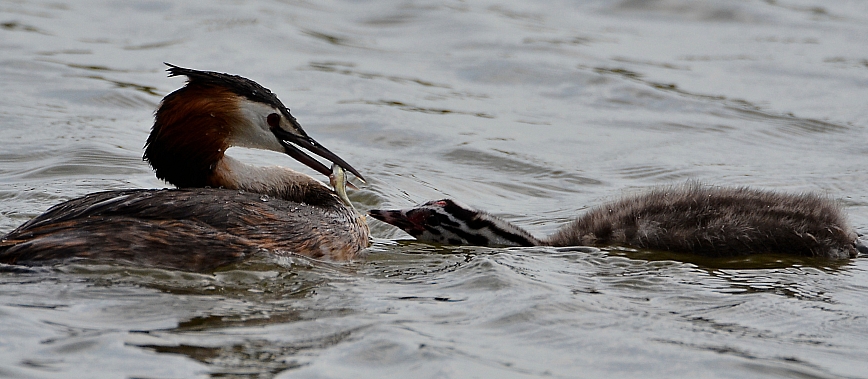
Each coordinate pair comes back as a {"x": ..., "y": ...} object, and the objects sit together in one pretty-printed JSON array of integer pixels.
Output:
[{"x": 691, "y": 218}]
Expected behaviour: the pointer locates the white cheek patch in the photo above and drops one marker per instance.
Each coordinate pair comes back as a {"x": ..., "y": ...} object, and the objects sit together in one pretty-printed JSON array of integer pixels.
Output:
[{"x": 253, "y": 130}]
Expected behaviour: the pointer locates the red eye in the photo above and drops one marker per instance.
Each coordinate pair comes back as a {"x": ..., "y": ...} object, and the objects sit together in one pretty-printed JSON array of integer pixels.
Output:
[{"x": 273, "y": 120}]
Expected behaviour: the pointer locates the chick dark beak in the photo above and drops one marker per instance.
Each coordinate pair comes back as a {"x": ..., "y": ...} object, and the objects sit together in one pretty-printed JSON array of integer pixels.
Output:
[
  {"x": 412, "y": 221},
  {"x": 287, "y": 139}
]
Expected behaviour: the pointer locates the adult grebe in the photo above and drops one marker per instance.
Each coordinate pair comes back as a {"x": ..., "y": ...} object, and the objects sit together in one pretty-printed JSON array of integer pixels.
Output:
[
  {"x": 691, "y": 218},
  {"x": 223, "y": 209}
]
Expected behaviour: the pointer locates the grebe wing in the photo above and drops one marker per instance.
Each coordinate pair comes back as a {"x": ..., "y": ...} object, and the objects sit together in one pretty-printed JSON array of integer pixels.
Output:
[
  {"x": 191, "y": 229},
  {"x": 216, "y": 207},
  {"x": 172, "y": 244},
  {"x": 85, "y": 206}
]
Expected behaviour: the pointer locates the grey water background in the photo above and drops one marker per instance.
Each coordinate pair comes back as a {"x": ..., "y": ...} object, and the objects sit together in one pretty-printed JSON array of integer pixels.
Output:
[{"x": 533, "y": 110}]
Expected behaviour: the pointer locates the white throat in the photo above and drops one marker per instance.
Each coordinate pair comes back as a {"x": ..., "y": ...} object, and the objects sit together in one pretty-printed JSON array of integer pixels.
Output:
[{"x": 271, "y": 180}]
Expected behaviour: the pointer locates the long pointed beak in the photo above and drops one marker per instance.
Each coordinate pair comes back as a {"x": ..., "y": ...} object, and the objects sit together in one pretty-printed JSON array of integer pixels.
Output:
[{"x": 287, "y": 139}]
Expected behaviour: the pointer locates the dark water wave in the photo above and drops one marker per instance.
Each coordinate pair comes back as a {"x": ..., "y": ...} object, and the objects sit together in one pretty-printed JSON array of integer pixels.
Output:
[{"x": 532, "y": 110}]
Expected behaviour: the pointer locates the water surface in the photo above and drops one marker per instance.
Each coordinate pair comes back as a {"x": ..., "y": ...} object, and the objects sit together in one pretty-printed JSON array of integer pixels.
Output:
[{"x": 533, "y": 110}]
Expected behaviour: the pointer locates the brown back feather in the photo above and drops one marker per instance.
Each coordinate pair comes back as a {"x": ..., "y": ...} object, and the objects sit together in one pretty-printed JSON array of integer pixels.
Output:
[{"x": 192, "y": 229}]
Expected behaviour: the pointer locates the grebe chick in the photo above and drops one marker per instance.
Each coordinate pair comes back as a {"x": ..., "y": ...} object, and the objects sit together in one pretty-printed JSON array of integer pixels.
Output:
[
  {"x": 691, "y": 218},
  {"x": 224, "y": 209}
]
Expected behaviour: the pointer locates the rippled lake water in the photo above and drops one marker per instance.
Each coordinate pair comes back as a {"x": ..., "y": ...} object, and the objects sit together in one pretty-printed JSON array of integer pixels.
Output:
[{"x": 533, "y": 110}]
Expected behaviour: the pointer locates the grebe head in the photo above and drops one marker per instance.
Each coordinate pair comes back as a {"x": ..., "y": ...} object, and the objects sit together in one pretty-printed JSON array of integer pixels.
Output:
[
  {"x": 195, "y": 125},
  {"x": 449, "y": 222}
]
